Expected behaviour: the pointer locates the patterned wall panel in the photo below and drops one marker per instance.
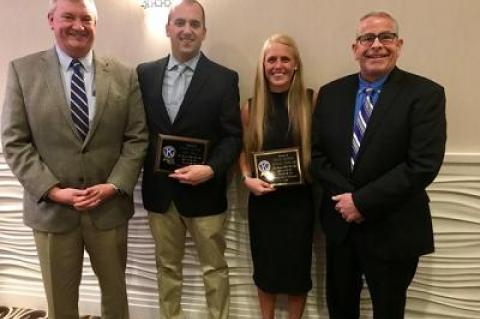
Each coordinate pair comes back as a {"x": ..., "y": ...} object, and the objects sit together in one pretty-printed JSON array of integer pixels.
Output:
[{"x": 447, "y": 284}]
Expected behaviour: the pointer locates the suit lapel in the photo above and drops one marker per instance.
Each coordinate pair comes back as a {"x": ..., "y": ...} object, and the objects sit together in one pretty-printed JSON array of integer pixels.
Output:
[
  {"x": 345, "y": 109},
  {"x": 56, "y": 88},
  {"x": 384, "y": 103},
  {"x": 102, "y": 88},
  {"x": 199, "y": 78},
  {"x": 158, "y": 110}
]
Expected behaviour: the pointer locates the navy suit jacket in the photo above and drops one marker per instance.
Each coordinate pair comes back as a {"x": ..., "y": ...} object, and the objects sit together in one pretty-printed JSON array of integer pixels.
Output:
[
  {"x": 210, "y": 110},
  {"x": 400, "y": 155}
]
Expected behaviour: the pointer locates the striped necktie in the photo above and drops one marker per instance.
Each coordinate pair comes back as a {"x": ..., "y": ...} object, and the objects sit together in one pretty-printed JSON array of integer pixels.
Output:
[
  {"x": 361, "y": 122},
  {"x": 78, "y": 100}
]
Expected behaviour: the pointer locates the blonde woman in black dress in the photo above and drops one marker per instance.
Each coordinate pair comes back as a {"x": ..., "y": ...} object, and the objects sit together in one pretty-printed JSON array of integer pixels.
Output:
[{"x": 280, "y": 218}]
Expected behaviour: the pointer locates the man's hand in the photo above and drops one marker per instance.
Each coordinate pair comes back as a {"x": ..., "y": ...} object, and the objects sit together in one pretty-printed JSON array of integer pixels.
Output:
[
  {"x": 346, "y": 207},
  {"x": 95, "y": 195},
  {"x": 193, "y": 174},
  {"x": 257, "y": 186},
  {"x": 66, "y": 196}
]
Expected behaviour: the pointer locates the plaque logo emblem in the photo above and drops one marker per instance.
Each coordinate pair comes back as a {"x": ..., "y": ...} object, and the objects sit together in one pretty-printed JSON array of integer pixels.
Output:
[
  {"x": 264, "y": 167},
  {"x": 169, "y": 152}
]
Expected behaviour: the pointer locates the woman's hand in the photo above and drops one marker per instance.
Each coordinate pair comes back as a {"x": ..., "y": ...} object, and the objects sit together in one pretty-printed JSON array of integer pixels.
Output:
[{"x": 257, "y": 186}]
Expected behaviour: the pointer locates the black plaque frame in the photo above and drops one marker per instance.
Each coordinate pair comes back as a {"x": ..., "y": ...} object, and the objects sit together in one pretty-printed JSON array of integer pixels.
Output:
[
  {"x": 285, "y": 160},
  {"x": 189, "y": 150}
]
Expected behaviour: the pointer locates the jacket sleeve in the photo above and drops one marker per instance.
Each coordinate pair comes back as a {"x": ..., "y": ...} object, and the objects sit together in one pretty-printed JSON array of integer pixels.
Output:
[
  {"x": 323, "y": 171},
  {"x": 125, "y": 173},
  {"x": 17, "y": 141},
  {"x": 229, "y": 145}
]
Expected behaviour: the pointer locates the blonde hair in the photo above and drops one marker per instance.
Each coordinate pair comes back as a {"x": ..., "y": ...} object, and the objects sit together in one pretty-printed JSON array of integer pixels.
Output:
[{"x": 299, "y": 106}]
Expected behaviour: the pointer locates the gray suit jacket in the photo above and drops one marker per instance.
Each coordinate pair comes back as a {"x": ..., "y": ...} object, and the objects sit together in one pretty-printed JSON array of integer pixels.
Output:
[{"x": 42, "y": 148}]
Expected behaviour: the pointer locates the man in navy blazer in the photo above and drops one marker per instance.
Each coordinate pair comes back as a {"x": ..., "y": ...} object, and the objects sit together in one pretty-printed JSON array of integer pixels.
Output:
[
  {"x": 375, "y": 211},
  {"x": 187, "y": 95}
]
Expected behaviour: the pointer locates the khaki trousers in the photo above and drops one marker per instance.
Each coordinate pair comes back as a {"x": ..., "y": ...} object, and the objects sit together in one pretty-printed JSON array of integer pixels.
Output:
[
  {"x": 169, "y": 231},
  {"x": 61, "y": 261}
]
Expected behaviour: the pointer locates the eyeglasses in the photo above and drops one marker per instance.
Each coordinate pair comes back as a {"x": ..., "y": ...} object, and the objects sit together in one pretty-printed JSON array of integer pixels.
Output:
[{"x": 384, "y": 38}]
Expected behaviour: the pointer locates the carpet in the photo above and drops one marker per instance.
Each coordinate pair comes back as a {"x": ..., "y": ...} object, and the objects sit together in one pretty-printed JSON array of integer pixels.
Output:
[{"x": 17, "y": 313}]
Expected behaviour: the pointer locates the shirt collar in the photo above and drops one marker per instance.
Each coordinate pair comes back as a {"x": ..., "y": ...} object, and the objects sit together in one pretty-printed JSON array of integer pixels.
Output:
[
  {"x": 376, "y": 85},
  {"x": 66, "y": 60},
  {"x": 192, "y": 63}
]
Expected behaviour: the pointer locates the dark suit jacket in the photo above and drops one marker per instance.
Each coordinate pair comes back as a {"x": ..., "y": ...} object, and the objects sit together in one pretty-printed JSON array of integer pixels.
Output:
[
  {"x": 43, "y": 149},
  {"x": 210, "y": 110},
  {"x": 400, "y": 155}
]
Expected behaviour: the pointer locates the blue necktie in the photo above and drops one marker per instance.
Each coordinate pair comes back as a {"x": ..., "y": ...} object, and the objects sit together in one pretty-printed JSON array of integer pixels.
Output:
[
  {"x": 361, "y": 122},
  {"x": 78, "y": 100}
]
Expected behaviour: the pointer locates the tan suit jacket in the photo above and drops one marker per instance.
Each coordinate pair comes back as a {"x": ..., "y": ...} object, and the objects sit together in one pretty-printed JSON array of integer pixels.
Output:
[{"x": 42, "y": 148}]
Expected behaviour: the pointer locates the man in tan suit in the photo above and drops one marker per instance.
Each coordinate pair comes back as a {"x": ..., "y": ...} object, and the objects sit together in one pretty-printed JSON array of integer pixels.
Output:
[{"x": 74, "y": 134}]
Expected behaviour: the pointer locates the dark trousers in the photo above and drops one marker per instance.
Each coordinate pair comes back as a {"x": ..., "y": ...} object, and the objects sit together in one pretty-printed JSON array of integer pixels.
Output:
[{"x": 387, "y": 281}]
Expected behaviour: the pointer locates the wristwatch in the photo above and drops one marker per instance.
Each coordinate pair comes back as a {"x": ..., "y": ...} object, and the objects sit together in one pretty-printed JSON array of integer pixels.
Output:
[{"x": 115, "y": 188}]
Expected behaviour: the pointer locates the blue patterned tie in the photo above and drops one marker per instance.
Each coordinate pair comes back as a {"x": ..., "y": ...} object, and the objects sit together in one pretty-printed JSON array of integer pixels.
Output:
[
  {"x": 78, "y": 100},
  {"x": 361, "y": 122}
]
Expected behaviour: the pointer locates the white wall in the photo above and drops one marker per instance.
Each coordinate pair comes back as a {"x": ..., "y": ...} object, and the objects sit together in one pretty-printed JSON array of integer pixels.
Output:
[{"x": 447, "y": 283}]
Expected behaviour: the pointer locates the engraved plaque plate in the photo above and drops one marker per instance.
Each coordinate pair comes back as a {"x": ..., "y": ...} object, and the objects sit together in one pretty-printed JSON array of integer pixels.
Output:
[
  {"x": 279, "y": 167},
  {"x": 178, "y": 151}
]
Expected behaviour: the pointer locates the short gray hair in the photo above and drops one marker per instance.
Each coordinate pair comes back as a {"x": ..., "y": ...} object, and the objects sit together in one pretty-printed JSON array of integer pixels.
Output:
[
  {"x": 90, "y": 4},
  {"x": 381, "y": 14}
]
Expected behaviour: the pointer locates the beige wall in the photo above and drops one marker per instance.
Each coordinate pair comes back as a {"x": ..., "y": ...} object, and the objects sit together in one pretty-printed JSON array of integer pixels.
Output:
[{"x": 441, "y": 42}]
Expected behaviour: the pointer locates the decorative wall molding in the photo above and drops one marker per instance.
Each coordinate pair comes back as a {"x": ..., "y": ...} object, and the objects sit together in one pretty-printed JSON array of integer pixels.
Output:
[{"x": 447, "y": 284}]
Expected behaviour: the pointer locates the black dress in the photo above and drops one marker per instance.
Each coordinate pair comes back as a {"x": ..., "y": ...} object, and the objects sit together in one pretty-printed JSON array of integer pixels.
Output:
[{"x": 281, "y": 222}]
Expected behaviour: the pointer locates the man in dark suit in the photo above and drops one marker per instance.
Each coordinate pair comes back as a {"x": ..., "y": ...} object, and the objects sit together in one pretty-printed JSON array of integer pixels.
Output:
[
  {"x": 374, "y": 166},
  {"x": 187, "y": 95},
  {"x": 74, "y": 134}
]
